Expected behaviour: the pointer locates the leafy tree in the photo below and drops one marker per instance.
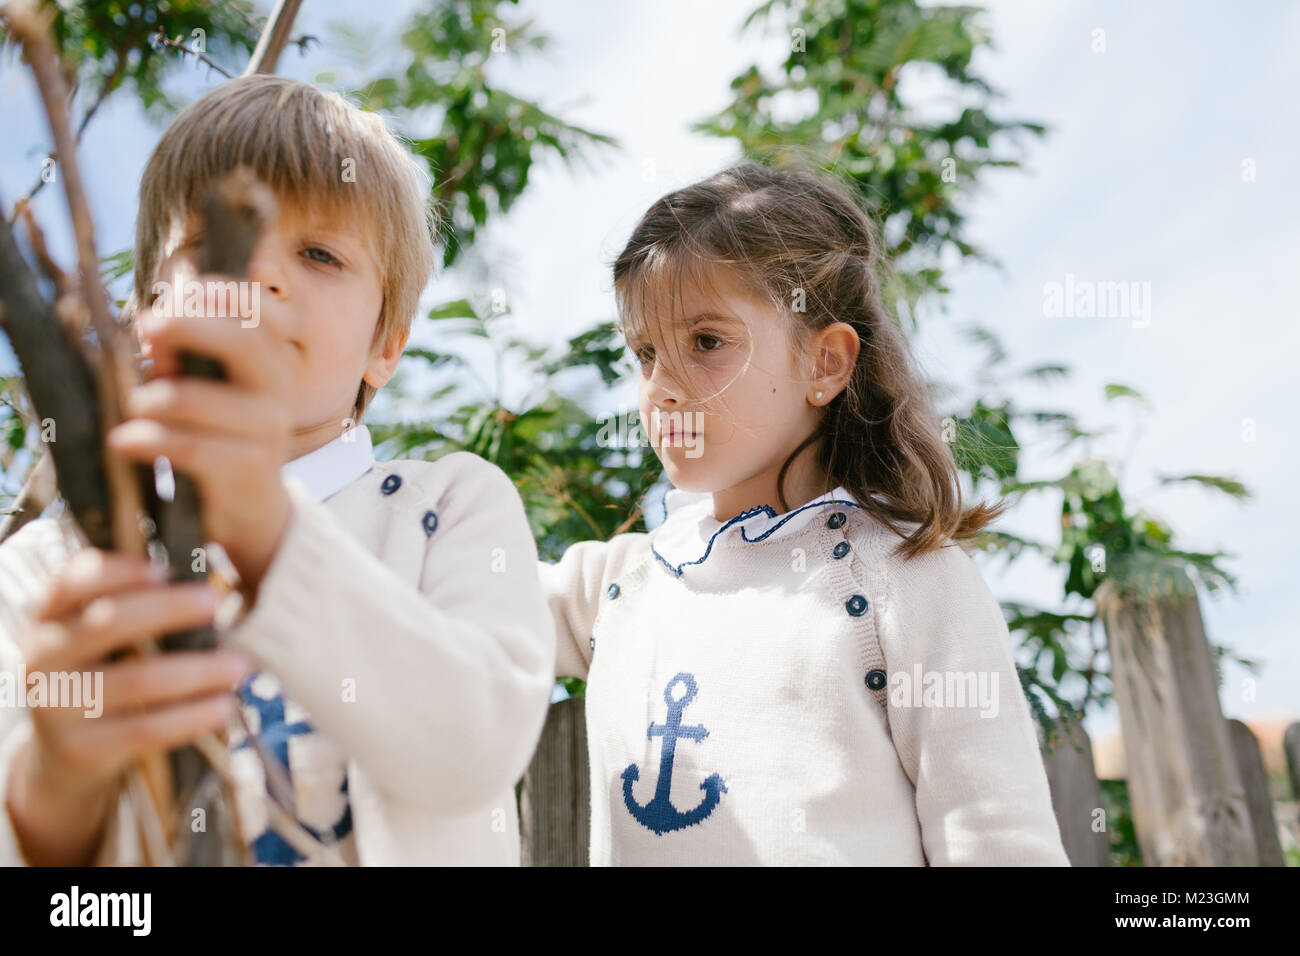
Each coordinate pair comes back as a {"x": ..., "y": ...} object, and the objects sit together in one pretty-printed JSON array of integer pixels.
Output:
[
  {"x": 837, "y": 101},
  {"x": 479, "y": 140},
  {"x": 109, "y": 45},
  {"x": 1103, "y": 534}
]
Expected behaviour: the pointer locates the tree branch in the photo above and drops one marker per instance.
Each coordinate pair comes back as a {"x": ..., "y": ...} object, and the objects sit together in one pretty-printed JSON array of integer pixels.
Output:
[
  {"x": 109, "y": 85},
  {"x": 62, "y": 388},
  {"x": 38, "y": 491},
  {"x": 274, "y": 37},
  {"x": 161, "y": 39},
  {"x": 32, "y": 29}
]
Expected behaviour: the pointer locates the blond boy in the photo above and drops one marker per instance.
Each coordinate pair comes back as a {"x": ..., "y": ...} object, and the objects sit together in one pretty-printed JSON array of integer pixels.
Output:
[{"x": 392, "y": 649}]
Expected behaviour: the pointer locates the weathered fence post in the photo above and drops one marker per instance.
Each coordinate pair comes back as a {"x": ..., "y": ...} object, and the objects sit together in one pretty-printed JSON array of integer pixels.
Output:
[
  {"x": 1076, "y": 793},
  {"x": 1189, "y": 804},
  {"x": 1291, "y": 744},
  {"x": 555, "y": 803},
  {"x": 1250, "y": 763}
]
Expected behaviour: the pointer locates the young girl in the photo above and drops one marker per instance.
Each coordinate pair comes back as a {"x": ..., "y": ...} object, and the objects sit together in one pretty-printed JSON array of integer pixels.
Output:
[{"x": 800, "y": 665}]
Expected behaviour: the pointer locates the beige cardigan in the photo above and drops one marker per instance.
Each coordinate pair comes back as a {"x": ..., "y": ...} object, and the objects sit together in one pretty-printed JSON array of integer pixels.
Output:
[{"x": 421, "y": 590}]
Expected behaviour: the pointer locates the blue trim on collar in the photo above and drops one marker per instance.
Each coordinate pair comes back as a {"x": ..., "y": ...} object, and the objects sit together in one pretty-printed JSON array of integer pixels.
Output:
[{"x": 744, "y": 516}]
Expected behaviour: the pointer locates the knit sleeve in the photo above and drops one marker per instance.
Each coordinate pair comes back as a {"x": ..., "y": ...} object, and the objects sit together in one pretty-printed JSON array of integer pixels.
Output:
[
  {"x": 430, "y": 668},
  {"x": 572, "y": 588},
  {"x": 982, "y": 795}
]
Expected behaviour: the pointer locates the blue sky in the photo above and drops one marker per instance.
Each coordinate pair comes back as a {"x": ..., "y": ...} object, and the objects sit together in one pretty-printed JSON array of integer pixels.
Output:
[{"x": 1140, "y": 179}]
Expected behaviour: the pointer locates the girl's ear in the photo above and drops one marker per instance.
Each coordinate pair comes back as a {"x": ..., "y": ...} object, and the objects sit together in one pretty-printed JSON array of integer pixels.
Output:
[
  {"x": 834, "y": 352},
  {"x": 384, "y": 364}
]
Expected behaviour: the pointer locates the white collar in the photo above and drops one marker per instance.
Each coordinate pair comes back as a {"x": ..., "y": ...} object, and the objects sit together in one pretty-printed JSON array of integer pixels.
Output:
[
  {"x": 335, "y": 465},
  {"x": 689, "y": 530}
]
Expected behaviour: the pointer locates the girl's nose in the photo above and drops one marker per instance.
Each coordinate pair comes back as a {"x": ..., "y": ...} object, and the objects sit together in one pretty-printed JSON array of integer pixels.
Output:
[{"x": 663, "y": 388}]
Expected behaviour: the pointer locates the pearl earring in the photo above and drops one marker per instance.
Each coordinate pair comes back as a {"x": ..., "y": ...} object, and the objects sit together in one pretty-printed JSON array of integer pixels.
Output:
[{"x": 819, "y": 395}]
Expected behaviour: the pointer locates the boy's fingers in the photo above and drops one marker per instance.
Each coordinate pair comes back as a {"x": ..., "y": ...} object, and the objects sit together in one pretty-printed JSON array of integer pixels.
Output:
[
  {"x": 200, "y": 454},
  {"x": 148, "y": 682},
  {"x": 123, "y": 740},
  {"x": 91, "y": 573},
  {"x": 248, "y": 354},
  {"x": 113, "y": 622},
  {"x": 210, "y": 406}
]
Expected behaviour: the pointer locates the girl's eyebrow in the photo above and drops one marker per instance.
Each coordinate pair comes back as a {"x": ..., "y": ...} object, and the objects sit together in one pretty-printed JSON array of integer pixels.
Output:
[
  {"x": 690, "y": 322},
  {"x": 701, "y": 317}
]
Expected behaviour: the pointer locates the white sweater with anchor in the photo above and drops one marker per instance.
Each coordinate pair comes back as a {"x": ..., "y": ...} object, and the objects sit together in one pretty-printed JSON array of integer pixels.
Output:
[{"x": 738, "y": 709}]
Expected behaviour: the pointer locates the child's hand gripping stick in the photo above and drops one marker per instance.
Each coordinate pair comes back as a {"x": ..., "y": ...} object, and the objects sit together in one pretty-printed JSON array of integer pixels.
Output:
[{"x": 234, "y": 213}]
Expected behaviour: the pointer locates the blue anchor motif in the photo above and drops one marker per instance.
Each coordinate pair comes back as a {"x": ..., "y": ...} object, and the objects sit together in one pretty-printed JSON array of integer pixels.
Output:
[{"x": 659, "y": 814}]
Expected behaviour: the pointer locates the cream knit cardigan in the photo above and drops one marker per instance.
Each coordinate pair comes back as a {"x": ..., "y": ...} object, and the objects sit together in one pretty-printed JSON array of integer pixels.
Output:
[
  {"x": 745, "y": 697},
  {"x": 421, "y": 590}
]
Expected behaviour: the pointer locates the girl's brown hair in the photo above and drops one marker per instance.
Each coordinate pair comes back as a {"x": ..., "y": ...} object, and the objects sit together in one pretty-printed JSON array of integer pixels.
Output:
[{"x": 791, "y": 236}]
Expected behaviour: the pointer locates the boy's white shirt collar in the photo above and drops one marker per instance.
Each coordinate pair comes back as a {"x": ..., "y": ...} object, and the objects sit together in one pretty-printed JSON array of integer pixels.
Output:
[
  {"x": 689, "y": 525},
  {"x": 333, "y": 466}
]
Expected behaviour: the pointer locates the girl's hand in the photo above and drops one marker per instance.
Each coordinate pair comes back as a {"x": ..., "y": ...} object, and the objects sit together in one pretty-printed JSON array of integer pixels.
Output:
[{"x": 64, "y": 782}]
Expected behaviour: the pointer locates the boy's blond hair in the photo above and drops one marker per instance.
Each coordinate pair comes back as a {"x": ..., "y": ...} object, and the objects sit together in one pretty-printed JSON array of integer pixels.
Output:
[{"x": 317, "y": 152}]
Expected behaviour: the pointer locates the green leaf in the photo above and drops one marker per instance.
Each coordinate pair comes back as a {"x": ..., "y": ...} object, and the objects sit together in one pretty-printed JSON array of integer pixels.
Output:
[
  {"x": 455, "y": 309},
  {"x": 1115, "y": 391}
]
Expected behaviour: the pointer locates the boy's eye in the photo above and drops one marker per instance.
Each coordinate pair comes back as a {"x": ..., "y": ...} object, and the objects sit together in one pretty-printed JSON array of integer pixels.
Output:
[
  {"x": 708, "y": 343},
  {"x": 323, "y": 256}
]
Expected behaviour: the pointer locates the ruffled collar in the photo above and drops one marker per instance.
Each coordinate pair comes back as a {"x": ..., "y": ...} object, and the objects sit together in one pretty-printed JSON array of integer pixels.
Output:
[{"x": 690, "y": 533}]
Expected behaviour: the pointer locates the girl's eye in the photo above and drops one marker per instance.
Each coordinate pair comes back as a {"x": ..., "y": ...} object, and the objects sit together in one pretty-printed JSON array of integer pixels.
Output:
[
  {"x": 323, "y": 256},
  {"x": 645, "y": 355},
  {"x": 708, "y": 343}
]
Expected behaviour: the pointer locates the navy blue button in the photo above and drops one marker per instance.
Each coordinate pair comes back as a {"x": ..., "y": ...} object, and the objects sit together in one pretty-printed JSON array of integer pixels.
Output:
[
  {"x": 613, "y": 591},
  {"x": 841, "y": 549},
  {"x": 856, "y": 605},
  {"x": 837, "y": 520},
  {"x": 391, "y": 484},
  {"x": 876, "y": 679},
  {"x": 430, "y": 522},
  {"x": 592, "y": 642}
]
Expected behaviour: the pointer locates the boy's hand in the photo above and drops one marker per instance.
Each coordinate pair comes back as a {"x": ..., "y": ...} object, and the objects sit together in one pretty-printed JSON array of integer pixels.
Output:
[
  {"x": 63, "y": 784},
  {"x": 230, "y": 437}
]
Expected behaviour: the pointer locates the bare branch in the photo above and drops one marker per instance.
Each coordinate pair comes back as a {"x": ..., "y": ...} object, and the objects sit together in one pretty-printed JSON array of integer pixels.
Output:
[
  {"x": 161, "y": 39},
  {"x": 49, "y": 268},
  {"x": 274, "y": 37},
  {"x": 62, "y": 388},
  {"x": 32, "y": 29},
  {"x": 38, "y": 492}
]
